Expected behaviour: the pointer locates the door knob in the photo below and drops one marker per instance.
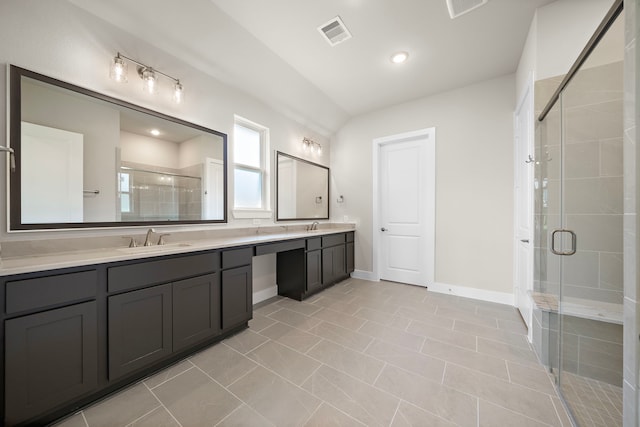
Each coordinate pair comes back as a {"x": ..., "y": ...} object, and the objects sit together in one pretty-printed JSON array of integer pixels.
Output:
[
  {"x": 383, "y": 229},
  {"x": 524, "y": 240}
]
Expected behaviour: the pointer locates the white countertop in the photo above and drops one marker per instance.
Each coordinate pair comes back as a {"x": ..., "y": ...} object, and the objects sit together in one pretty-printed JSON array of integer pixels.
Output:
[{"x": 52, "y": 261}]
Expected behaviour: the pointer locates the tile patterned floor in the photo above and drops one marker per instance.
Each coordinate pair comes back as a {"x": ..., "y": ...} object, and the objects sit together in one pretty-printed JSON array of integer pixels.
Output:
[
  {"x": 359, "y": 353},
  {"x": 594, "y": 403}
]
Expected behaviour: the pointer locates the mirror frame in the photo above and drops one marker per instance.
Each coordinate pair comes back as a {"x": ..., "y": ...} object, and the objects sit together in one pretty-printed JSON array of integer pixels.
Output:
[
  {"x": 278, "y": 154},
  {"x": 14, "y": 177}
]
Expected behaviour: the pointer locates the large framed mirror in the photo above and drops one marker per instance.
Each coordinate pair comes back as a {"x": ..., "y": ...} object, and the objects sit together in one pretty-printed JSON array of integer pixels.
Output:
[
  {"x": 84, "y": 159},
  {"x": 302, "y": 189}
]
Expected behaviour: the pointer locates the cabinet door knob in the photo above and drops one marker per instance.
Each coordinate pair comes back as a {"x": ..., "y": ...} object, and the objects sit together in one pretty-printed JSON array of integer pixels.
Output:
[{"x": 383, "y": 229}]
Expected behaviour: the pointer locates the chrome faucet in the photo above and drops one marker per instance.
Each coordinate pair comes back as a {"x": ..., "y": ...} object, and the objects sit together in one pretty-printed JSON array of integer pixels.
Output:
[
  {"x": 314, "y": 226},
  {"x": 147, "y": 240}
]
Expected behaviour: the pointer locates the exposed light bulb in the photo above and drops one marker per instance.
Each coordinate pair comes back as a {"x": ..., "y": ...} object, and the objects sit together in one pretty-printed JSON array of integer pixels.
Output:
[
  {"x": 178, "y": 93},
  {"x": 118, "y": 71},
  {"x": 149, "y": 80},
  {"x": 319, "y": 149}
]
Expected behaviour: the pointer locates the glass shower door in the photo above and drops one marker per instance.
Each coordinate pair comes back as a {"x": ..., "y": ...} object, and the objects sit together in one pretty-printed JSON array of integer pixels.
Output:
[{"x": 591, "y": 206}]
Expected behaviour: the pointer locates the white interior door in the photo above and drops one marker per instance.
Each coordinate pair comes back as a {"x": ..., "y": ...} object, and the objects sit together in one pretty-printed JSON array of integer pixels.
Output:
[
  {"x": 52, "y": 175},
  {"x": 406, "y": 207},
  {"x": 213, "y": 189},
  {"x": 524, "y": 169}
]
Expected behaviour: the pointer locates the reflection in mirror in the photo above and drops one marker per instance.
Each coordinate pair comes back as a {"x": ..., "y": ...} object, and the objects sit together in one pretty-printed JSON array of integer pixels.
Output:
[
  {"x": 87, "y": 160},
  {"x": 303, "y": 189}
]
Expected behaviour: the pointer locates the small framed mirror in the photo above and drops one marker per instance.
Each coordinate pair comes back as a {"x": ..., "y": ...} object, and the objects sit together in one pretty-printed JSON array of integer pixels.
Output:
[
  {"x": 302, "y": 189},
  {"x": 84, "y": 159}
]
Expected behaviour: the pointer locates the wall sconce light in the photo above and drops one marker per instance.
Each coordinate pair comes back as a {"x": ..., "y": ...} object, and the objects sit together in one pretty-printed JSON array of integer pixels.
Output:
[
  {"x": 149, "y": 76},
  {"x": 311, "y": 146}
]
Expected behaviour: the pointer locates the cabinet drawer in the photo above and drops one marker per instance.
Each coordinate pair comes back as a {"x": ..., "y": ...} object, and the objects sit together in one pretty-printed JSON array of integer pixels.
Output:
[
  {"x": 162, "y": 271},
  {"x": 237, "y": 257},
  {"x": 332, "y": 240},
  {"x": 272, "y": 248},
  {"x": 350, "y": 236},
  {"x": 313, "y": 244},
  {"x": 43, "y": 292}
]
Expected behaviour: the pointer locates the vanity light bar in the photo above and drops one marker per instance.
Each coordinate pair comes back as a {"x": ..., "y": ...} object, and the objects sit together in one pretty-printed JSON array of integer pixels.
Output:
[
  {"x": 309, "y": 144},
  {"x": 149, "y": 76}
]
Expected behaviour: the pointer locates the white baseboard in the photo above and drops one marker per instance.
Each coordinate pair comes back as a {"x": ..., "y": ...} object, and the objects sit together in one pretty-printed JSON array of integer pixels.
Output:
[
  {"x": 265, "y": 294},
  {"x": 364, "y": 275},
  {"x": 474, "y": 293}
]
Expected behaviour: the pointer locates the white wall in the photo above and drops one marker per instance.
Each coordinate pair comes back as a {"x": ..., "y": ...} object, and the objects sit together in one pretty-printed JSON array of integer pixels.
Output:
[
  {"x": 147, "y": 150},
  {"x": 474, "y": 179},
  {"x": 558, "y": 33}
]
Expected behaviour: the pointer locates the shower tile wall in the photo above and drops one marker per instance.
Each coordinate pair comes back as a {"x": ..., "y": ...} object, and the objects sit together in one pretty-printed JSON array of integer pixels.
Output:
[
  {"x": 593, "y": 175},
  {"x": 159, "y": 193},
  {"x": 593, "y": 182}
]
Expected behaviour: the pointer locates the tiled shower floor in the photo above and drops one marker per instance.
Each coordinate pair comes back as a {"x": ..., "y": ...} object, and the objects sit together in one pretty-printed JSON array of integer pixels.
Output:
[
  {"x": 359, "y": 353},
  {"x": 594, "y": 403}
]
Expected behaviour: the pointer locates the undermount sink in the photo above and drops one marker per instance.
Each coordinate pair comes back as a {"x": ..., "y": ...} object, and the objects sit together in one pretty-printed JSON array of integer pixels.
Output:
[{"x": 154, "y": 248}]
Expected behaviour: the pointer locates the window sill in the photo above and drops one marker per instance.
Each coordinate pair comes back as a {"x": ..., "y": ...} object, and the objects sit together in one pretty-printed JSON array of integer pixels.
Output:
[{"x": 251, "y": 213}]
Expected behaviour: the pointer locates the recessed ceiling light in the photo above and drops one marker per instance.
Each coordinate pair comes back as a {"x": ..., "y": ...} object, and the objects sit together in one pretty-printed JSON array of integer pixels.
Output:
[
  {"x": 154, "y": 132},
  {"x": 399, "y": 58}
]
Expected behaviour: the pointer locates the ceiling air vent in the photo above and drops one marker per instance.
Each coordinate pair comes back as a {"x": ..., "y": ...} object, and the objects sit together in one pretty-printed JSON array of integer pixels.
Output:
[
  {"x": 334, "y": 31},
  {"x": 460, "y": 7}
]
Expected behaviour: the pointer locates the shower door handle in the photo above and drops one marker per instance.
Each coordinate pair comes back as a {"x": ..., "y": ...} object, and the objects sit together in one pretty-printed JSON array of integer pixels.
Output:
[{"x": 574, "y": 243}]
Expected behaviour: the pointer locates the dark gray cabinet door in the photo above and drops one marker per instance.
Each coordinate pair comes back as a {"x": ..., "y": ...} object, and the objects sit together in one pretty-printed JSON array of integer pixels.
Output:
[
  {"x": 350, "y": 258},
  {"x": 339, "y": 262},
  {"x": 314, "y": 270},
  {"x": 327, "y": 266},
  {"x": 51, "y": 358},
  {"x": 140, "y": 329},
  {"x": 236, "y": 296},
  {"x": 196, "y": 310},
  {"x": 334, "y": 264}
]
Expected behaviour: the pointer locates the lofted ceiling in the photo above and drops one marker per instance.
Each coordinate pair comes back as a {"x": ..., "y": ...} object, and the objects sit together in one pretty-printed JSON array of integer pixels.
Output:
[{"x": 272, "y": 48}]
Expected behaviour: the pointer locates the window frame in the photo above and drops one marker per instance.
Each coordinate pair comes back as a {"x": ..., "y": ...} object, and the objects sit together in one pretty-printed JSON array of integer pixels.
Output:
[{"x": 264, "y": 170}]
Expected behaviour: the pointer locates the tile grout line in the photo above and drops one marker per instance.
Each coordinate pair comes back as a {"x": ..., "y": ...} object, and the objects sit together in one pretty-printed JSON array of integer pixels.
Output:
[
  {"x": 168, "y": 379},
  {"x": 557, "y": 412},
  {"x": 241, "y": 376},
  {"x": 508, "y": 373},
  {"x": 395, "y": 413},
  {"x": 162, "y": 404},
  {"x": 146, "y": 413},
  {"x": 227, "y": 389},
  {"x": 84, "y": 418},
  {"x": 477, "y": 412}
]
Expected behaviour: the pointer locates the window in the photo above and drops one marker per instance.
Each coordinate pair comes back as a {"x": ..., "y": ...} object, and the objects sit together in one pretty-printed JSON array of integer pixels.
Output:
[{"x": 250, "y": 169}]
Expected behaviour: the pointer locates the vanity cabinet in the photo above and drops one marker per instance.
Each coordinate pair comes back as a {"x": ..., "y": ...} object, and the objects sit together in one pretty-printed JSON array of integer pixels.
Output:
[
  {"x": 196, "y": 310},
  {"x": 333, "y": 264},
  {"x": 140, "y": 329},
  {"x": 324, "y": 261},
  {"x": 314, "y": 271},
  {"x": 51, "y": 336},
  {"x": 237, "y": 289},
  {"x": 150, "y": 324}
]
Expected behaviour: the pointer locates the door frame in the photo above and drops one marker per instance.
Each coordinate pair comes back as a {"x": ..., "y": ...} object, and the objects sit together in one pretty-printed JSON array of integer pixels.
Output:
[
  {"x": 520, "y": 167},
  {"x": 430, "y": 176}
]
